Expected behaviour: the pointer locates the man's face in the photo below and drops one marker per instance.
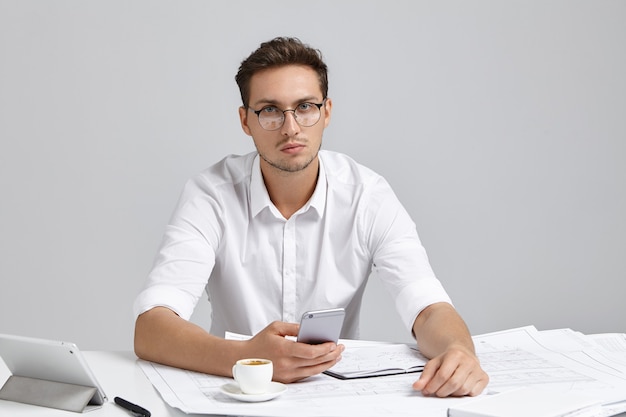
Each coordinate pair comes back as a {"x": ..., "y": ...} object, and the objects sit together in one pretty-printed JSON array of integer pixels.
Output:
[{"x": 292, "y": 147}]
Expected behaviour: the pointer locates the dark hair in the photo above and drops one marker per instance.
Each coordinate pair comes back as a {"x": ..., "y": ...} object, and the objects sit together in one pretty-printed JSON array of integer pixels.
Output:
[{"x": 279, "y": 52}]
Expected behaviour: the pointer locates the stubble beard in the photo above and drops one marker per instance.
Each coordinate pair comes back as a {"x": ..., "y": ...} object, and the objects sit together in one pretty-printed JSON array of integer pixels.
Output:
[{"x": 286, "y": 167}]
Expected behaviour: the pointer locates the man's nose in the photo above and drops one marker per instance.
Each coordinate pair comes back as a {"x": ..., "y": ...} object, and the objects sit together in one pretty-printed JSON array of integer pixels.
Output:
[{"x": 290, "y": 125}]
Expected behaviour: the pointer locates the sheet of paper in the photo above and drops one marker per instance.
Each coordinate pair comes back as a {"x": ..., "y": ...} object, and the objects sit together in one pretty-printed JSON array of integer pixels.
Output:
[
  {"x": 521, "y": 357},
  {"x": 515, "y": 403},
  {"x": 612, "y": 346},
  {"x": 612, "y": 342}
]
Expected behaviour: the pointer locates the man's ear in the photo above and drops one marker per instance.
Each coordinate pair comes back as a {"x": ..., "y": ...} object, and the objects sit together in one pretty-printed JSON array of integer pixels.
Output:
[
  {"x": 328, "y": 106},
  {"x": 243, "y": 118}
]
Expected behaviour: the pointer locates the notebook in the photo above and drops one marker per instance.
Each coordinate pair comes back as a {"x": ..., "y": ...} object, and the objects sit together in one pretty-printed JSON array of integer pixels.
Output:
[{"x": 379, "y": 360}]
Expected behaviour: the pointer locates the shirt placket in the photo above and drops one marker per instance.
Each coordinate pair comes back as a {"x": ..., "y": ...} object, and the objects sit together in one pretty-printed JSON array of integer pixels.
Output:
[{"x": 289, "y": 271}]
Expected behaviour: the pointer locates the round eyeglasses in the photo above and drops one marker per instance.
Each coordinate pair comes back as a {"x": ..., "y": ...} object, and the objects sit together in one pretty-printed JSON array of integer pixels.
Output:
[{"x": 306, "y": 115}]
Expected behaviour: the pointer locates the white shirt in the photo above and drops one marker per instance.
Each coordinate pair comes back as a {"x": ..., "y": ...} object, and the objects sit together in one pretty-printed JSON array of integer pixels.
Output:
[{"x": 228, "y": 237}]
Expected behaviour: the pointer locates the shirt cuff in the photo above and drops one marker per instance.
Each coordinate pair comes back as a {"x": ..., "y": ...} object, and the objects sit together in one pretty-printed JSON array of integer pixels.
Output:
[
  {"x": 409, "y": 309},
  {"x": 180, "y": 302}
]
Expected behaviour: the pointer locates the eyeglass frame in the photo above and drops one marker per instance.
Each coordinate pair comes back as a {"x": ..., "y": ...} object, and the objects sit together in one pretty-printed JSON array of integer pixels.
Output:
[{"x": 318, "y": 105}]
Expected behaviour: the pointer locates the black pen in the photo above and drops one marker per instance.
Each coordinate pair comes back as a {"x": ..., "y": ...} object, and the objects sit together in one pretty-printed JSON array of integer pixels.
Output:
[{"x": 133, "y": 408}]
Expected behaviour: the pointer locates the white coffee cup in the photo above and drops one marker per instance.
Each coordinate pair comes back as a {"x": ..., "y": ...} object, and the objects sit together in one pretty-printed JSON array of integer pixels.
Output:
[{"x": 253, "y": 375}]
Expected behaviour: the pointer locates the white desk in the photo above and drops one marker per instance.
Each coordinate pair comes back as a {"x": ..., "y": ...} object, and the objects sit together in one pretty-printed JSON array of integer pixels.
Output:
[{"x": 119, "y": 376}]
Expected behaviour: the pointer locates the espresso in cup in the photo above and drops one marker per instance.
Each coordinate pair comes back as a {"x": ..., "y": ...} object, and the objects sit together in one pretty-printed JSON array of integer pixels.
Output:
[
  {"x": 253, "y": 375},
  {"x": 255, "y": 362}
]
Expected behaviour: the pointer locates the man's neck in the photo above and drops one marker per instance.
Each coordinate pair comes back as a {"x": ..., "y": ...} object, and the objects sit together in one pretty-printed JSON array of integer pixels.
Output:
[{"x": 289, "y": 191}]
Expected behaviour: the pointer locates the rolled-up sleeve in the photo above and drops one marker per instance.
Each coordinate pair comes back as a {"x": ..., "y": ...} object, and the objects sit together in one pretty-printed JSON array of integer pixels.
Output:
[
  {"x": 186, "y": 257},
  {"x": 399, "y": 259}
]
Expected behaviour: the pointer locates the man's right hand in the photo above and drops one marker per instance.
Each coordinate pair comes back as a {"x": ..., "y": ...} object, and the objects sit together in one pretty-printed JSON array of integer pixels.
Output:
[
  {"x": 292, "y": 360},
  {"x": 162, "y": 336}
]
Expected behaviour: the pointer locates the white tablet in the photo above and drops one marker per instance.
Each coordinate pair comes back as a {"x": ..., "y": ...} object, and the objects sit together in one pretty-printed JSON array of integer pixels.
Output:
[{"x": 49, "y": 360}]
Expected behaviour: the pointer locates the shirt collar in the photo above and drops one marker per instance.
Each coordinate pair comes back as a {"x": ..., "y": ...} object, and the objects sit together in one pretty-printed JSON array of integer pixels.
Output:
[{"x": 260, "y": 199}]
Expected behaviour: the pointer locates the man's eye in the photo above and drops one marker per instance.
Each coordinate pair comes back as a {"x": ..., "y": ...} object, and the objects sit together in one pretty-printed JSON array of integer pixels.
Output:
[
  {"x": 304, "y": 106},
  {"x": 269, "y": 109}
]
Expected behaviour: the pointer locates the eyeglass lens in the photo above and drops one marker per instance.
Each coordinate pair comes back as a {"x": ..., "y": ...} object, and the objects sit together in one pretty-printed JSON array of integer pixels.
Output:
[{"x": 272, "y": 118}]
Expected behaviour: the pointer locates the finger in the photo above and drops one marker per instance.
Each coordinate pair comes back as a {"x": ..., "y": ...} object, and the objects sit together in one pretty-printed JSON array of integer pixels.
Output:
[
  {"x": 282, "y": 328},
  {"x": 474, "y": 384},
  {"x": 430, "y": 369},
  {"x": 316, "y": 353},
  {"x": 449, "y": 385},
  {"x": 302, "y": 355},
  {"x": 440, "y": 383},
  {"x": 465, "y": 380},
  {"x": 479, "y": 387},
  {"x": 293, "y": 369}
]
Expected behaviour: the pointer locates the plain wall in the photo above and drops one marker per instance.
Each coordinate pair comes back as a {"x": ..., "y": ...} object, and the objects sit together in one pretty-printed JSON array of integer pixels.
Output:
[{"x": 501, "y": 125}]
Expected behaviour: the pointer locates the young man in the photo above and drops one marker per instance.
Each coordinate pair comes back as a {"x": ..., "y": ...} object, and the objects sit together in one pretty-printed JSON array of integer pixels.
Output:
[{"x": 287, "y": 229}]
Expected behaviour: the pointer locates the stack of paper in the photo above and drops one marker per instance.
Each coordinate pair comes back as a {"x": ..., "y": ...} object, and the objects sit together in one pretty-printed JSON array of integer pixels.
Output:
[{"x": 555, "y": 362}]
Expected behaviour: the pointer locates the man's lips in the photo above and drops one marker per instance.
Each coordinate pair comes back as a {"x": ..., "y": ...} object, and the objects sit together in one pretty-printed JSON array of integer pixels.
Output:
[{"x": 292, "y": 147}]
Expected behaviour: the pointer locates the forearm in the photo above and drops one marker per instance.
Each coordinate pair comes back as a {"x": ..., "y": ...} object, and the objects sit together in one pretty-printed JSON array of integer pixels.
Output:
[
  {"x": 453, "y": 368},
  {"x": 162, "y": 336},
  {"x": 439, "y": 327}
]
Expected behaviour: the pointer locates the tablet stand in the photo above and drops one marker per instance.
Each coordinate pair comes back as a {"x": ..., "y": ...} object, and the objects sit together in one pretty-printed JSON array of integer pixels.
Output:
[{"x": 47, "y": 393}]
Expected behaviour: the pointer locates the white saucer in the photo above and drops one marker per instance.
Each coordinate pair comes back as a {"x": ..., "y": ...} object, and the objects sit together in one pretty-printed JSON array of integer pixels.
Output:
[{"x": 233, "y": 391}]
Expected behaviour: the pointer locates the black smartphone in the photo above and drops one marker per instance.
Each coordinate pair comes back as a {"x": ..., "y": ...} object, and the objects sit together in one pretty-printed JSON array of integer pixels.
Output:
[{"x": 321, "y": 326}]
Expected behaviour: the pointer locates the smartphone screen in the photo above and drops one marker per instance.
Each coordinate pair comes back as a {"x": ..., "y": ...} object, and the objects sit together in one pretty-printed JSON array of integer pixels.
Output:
[{"x": 321, "y": 326}]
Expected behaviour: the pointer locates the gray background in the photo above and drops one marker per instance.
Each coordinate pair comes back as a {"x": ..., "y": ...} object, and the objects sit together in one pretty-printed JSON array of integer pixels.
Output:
[{"x": 501, "y": 125}]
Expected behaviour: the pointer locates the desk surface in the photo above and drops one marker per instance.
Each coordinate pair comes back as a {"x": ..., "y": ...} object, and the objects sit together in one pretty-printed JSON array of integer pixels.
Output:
[{"x": 119, "y": 376}]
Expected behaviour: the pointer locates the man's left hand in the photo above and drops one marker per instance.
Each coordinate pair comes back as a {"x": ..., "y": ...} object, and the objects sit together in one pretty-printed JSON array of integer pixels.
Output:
[{"x": 456, "y": 372}]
